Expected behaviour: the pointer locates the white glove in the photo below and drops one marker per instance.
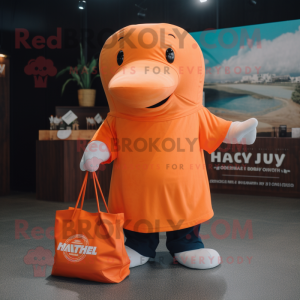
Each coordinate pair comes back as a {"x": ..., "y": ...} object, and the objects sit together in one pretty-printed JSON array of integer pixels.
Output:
[
  {"x": 242, "y": 132},
  {"x": 94, "y": 154}
]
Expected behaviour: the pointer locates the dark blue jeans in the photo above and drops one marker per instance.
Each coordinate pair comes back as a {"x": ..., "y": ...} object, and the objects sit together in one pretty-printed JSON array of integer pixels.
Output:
[{"x": 177, "y": 241}]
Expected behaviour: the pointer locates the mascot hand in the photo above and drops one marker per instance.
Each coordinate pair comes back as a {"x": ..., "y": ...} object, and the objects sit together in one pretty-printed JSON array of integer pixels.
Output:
[
  {"x": 242, "y": 132},
  {"x": 95, "y": 153}
]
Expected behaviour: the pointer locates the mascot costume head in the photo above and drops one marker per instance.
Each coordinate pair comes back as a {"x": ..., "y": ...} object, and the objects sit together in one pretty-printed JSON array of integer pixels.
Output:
[{"x": 157, "y": 66}]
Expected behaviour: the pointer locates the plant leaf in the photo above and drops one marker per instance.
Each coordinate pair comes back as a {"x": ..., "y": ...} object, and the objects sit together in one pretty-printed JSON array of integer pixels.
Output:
[
  {"x": 79, "y": 67},
  {"x": 84, "y": 77},
  {"x": 82, "y": 56},
  {"x": 92, "y": 65},
  {"x": 77, "y": 78},
  {"x": 64, "y": 86},
  {"x": 62, "y": 71},
  {"x": 88, "y": 79}
]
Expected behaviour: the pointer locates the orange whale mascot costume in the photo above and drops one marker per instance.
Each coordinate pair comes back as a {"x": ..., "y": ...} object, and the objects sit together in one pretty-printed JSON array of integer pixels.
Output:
[{"x": 155, "y": 133}]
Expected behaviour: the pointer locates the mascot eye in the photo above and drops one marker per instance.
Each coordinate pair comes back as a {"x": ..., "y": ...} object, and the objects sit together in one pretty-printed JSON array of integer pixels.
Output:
[
  {"x": 170, "y": 55},
  {"x": 120, "y": 57}
]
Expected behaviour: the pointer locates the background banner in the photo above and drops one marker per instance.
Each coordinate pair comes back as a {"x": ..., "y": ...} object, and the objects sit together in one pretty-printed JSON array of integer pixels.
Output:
[{"x": 253, "y": 71}]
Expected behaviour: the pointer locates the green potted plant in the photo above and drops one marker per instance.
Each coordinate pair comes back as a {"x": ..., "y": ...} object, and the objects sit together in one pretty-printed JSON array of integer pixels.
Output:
[{"x": 82, "y": 75}]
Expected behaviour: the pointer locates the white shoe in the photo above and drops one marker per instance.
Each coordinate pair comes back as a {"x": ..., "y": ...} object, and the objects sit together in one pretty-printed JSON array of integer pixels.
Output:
[
  {"x": 199, "y": 259},
  {"x": 136, "y": 259}
]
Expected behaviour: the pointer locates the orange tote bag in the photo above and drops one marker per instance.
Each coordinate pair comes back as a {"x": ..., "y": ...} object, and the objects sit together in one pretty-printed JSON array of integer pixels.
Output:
[{"x": 90, "y": 245}]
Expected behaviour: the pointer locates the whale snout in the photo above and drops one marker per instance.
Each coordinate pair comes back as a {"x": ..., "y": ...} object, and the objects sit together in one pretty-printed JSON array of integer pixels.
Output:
[{"x": 143, "y": 83}]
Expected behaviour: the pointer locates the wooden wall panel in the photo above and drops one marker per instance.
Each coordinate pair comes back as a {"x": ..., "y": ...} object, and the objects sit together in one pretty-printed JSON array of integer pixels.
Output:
[
  {"x": 58, "y": 176},
  {"x": 4, "y": 126},
  {"x": 49, "y": 170}
]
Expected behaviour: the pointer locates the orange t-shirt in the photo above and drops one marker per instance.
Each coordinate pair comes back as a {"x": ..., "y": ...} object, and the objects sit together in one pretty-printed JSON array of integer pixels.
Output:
[{"x": 159, "y": 179}]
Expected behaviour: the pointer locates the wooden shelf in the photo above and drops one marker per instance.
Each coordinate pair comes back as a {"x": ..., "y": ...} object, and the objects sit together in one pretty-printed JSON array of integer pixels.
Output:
[
  {"x": 83, "y": 112},
  {"x": 51, "y": 135}
]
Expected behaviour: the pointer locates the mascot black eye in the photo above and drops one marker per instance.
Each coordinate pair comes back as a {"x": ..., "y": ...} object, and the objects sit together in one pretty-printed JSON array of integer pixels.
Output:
[
  {"x": 170, "y": 55},
  {"x": 120, "y": 57}
]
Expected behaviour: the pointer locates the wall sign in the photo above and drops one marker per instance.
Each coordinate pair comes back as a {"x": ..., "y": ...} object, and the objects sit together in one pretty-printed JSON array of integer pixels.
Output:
[{"x": 268, "y": 167}]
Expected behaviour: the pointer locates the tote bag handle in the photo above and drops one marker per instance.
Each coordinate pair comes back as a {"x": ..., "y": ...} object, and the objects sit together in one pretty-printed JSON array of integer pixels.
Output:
[
  {"x": 82, "y": 193},
  {"x": 96, "y": 178}
]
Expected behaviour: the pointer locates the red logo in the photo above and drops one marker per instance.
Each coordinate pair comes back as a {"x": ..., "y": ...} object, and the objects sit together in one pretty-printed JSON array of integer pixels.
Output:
[
  {"x": 40, "y": 68},
  {"x": 39, "y": 258}
]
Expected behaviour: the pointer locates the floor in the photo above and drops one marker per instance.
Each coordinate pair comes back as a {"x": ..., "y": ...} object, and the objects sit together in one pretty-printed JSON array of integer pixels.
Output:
[{"x": 264, "y": 264}]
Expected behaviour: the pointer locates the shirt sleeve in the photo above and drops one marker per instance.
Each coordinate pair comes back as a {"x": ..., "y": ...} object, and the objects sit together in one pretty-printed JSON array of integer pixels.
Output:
[
  {"x": 107, "y": 134},
  {"x": 213, "y": 130}
]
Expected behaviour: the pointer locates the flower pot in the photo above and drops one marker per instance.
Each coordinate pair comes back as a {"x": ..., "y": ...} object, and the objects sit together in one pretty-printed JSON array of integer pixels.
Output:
[{"x": 86, "y": 97}]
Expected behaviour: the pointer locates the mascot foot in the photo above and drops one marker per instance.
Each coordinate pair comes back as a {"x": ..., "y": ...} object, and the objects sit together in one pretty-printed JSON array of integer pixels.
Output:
[
  {"x": 199, "y": 259},
  {"x": 136, "y": 259}
]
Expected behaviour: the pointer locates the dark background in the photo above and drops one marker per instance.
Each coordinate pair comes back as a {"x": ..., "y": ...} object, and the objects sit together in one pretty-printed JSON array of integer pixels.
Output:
[{"x": 31, "y": 107}]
